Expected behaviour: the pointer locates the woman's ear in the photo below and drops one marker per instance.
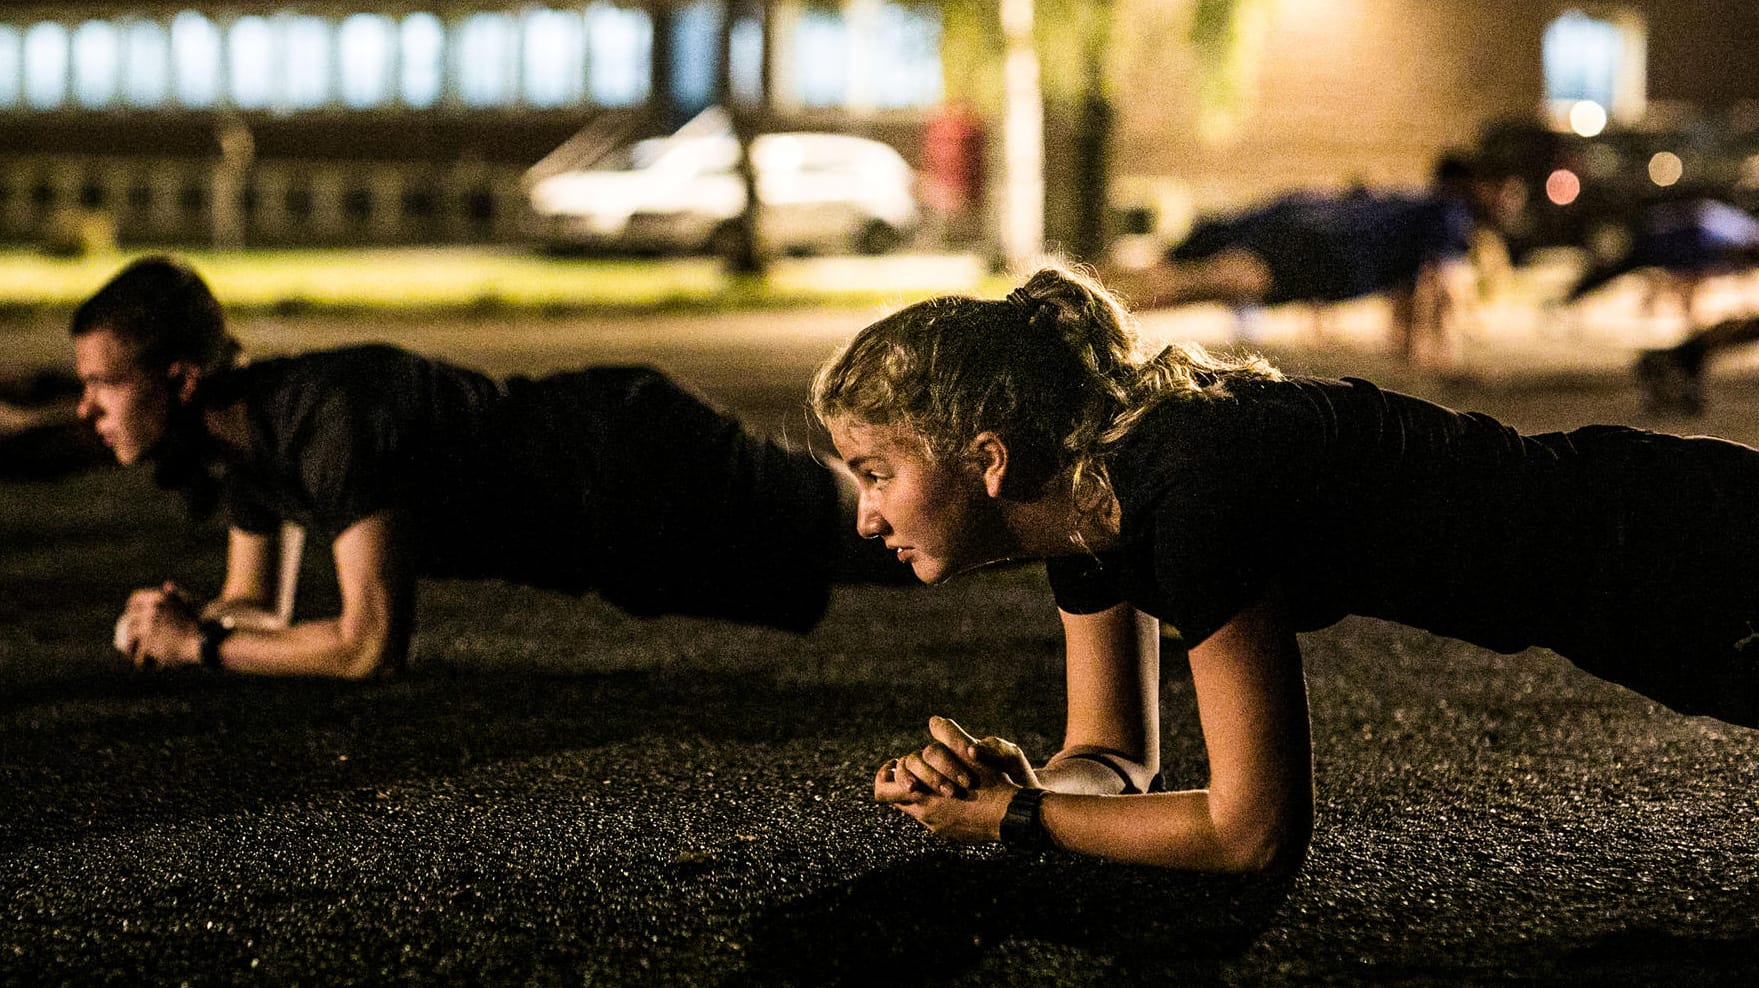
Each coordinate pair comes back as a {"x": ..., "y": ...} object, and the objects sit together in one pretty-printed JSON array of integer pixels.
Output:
[{"x": 988, "y": 455}]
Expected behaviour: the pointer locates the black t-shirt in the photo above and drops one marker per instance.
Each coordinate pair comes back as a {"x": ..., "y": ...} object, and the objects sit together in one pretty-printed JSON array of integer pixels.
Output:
[
  {"x": 609, "y": 479},
  {"x": 1624, "y": 550}
]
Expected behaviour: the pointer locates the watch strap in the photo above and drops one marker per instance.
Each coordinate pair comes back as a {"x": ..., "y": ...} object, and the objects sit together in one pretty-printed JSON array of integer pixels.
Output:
[
  {"x": 1023, "y": 823},
  {"x": 212, "y": 634}
]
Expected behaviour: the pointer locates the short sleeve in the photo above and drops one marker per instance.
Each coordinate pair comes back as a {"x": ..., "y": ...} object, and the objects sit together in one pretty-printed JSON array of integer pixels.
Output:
[
  {"x": 1213, "y": 557},
  {"x": 347, "y": 460},
  {"x": 1082, "y": 584},
  {"x": 247, "y": 510},
  {"x": 1212, "y": 492}
]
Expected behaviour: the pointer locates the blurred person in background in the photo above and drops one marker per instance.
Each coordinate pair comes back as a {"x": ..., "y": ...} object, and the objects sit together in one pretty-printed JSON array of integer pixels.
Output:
[
  {"x": 1681, "y": 244},
  {"x": 1241, "y": 507},
  {"x": 1413, "y": 247},
  {"x": 607, "y": 480}
]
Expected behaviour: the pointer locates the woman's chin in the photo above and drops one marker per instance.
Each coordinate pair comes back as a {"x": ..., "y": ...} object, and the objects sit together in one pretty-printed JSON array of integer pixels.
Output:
[{"x": 942, "y": 571}]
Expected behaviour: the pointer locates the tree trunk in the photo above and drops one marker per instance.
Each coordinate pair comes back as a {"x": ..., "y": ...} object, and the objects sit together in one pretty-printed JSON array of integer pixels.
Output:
[{"x": 743, "y": 253}]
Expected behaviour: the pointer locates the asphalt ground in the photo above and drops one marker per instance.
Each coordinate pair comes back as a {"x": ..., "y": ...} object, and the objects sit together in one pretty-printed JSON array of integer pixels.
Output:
[{"x": 557, "y": 793}]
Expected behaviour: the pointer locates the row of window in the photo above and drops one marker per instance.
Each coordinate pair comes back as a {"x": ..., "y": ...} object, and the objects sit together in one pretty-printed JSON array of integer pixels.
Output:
[
  {"x": 873, "y": 52},
  {"x": 192, "y": 200}
]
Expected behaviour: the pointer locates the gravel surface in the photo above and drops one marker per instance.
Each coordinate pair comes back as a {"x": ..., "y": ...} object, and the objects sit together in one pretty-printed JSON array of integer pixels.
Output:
[{"x": 559, "y": 794}]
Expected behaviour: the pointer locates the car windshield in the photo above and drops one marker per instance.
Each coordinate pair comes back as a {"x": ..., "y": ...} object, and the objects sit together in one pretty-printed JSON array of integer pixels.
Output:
[{"x": 634, "y": 157}]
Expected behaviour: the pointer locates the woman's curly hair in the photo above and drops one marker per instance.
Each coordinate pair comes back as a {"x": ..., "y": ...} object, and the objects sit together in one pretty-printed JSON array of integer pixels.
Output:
[{"x": 1054, "y": 370}]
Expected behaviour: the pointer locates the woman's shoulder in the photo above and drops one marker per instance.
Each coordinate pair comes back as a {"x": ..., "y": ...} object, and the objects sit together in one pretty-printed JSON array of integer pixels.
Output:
[
  {"x": 1236, "y": 408},
  {"x": 1241, "y": 434}
]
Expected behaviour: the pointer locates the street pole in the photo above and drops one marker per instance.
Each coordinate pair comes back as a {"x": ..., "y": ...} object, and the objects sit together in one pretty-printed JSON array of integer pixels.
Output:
[
  {"x": 231, "y": 171},
  {"x": 1022, "y": 206}
]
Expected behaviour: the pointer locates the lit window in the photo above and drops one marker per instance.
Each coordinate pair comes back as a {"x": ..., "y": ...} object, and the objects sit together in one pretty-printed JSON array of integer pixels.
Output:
[
  {"x": 146, "y": 64},
  {"x": 250, "y": 54},
  {"x": 906, "y": 56},
  {"x": 95, "y": 50},
  {"x": 422, "y": 40},
  {"x": 619, "y": 64},
  {"x": 1582, "y": 58},
  {"x": 10, "y": 65},
  {"x": 305, "y": 76},
  {"x": 45, "y": 66},
  {"x": 554, "y": 62},
  {"x": 696, "y": 55},
  {"x": 821, "y": 58},
  {"x": 485, "y": 60},
  {"x": 195, "y": 59},
  {"x": 365, "y": 44},
  {"x": 747, "y": 56}
]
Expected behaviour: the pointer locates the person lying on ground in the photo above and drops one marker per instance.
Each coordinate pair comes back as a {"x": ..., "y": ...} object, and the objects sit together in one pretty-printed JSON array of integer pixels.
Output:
[
  {"x": 612, "y": 480},
  {"x": 1413, "y": 247},
  {"x": 1672, "y": 378},
  {"x": 1683, "y": 243},
  {"x": 1233, "y": 507}
]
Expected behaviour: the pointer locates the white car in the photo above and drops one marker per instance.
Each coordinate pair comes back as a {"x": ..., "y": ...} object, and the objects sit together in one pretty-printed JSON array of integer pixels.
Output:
[{"x": 818, "y": 192}]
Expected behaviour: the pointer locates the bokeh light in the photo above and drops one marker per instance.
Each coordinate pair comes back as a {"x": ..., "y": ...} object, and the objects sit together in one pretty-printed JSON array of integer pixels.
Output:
[
  {"x": 1562, "y": 187},
  {"x": 1587, "y": 118},
  {"x": 1665, "y": 168}
]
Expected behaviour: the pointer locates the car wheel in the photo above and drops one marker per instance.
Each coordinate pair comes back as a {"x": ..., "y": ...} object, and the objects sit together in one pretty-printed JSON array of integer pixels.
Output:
[{"x": 878, "y": 237}]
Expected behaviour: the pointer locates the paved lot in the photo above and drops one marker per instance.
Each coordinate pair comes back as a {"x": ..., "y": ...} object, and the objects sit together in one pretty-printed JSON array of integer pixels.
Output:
[{"x": 557, "y": 793}]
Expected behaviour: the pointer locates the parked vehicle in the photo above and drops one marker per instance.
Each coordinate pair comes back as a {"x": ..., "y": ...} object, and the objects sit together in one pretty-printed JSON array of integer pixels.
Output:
[
  {"x": 683, "y": 193},
  {"x": 1603, "y": 182}
]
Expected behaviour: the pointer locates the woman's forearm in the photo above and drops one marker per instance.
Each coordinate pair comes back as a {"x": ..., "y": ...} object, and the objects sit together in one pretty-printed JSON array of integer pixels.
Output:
[{"x": 1173, "y": 830}]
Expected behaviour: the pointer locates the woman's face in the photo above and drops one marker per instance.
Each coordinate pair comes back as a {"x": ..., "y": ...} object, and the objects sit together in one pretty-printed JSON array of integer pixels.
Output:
[{"x": 937, "y": 517}]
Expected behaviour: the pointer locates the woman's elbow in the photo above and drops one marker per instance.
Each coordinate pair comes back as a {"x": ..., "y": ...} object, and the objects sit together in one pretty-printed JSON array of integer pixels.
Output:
[
  {"x": 1266, "y": 848},
  {"x": 1274, "y": 851}
]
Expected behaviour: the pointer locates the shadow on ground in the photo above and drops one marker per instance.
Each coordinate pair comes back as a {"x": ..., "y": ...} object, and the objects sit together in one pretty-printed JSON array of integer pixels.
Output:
[{"x": 938, "y": 917}]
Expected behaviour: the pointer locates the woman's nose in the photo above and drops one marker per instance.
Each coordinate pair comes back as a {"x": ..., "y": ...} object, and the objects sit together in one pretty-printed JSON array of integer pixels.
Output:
[{"x": 869, "y": 523}]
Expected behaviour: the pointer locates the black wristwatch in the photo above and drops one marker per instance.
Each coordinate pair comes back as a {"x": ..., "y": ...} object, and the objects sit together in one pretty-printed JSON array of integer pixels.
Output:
[
  {"x": 1023, "y": 824},
  {"x": 211, "y": 633}
]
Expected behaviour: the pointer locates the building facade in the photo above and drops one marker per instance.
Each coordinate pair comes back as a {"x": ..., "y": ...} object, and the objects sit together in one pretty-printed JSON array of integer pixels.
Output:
[
  {"x": 389, "y": 122},
  {"x": 405, "y": 122}
]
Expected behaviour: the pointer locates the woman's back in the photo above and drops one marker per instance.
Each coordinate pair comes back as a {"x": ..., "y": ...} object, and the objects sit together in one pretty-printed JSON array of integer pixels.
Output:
[{"x": 1613, "y": 546}]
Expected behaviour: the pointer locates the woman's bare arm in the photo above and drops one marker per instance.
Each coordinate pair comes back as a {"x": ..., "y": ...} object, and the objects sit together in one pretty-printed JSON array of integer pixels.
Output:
[
  {"x": 1113, "y": 729},
  {"x": 1256, "y": 814}
]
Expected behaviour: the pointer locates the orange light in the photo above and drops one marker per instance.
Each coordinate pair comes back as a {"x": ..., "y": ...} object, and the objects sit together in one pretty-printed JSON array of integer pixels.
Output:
[{"x": 1562, "y": 187}]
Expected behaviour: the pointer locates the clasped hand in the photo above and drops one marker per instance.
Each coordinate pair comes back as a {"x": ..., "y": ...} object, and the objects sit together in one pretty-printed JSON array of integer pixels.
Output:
[
  {"x": 159, "y": 627},
  {"x": 957, "y": 786}
]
